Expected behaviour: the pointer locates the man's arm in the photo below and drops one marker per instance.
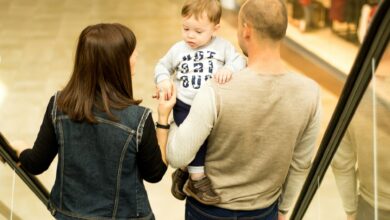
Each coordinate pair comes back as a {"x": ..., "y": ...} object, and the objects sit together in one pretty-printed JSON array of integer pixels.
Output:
[
  {"x": 301, "y": 160},
  {"x": 184, "y": 141},
  {"x": 343, "y": 166}
]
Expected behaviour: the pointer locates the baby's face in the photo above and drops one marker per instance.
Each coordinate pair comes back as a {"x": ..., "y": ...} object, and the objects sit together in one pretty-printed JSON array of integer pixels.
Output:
[{"x": 198, "y": 32}]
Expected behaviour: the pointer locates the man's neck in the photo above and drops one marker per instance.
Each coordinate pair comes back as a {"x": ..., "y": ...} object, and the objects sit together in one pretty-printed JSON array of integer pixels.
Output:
[{"x": 264, "y": 58}]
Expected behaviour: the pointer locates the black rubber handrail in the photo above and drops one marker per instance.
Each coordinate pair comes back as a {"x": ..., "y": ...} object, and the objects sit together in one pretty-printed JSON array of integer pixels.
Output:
[
  {"x": 9, "y": 156},
  {"x": 357, "y": 82}
]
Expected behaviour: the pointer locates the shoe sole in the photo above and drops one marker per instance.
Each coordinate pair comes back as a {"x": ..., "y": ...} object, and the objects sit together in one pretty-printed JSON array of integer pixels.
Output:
[{"x": 190, "y": 193}]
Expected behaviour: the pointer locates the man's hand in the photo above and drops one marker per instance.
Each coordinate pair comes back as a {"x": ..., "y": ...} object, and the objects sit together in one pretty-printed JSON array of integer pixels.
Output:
[
  {"x": 223, "y": 76},
  {"x": 166, "y": 87}
]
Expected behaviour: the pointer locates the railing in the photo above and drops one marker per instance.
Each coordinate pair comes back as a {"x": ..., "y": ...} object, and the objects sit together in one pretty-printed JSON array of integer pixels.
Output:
[
  {"x": 8, "y": 155},
  {"x": 355, "y": 86},
  {"x": 5, "y": 211}
]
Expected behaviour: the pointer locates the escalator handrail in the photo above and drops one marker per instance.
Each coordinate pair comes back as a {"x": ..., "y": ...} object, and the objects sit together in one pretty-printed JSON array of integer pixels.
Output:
[
  {"x": 4, "y": 210},
  {"x": 10, "y": 157},
  {"x": 357, "y": 82}
]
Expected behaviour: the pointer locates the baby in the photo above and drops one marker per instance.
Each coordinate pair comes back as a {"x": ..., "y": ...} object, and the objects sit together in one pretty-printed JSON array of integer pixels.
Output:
[{"x": 198, "y": 57}]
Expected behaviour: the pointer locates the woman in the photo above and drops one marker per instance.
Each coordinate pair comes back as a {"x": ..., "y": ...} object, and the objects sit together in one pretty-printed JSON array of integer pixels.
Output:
[{"x": 106, "y": 142}]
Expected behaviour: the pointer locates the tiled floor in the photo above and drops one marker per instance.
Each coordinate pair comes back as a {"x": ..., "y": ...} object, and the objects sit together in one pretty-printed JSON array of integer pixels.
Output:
[{"x": 37, "y": 44}]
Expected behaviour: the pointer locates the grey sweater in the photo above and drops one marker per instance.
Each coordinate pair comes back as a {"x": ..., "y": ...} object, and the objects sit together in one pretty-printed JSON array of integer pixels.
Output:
[
  {"x": 261, "y": 129},
  {"x": 353, "y": 163},
  {"x": 192, "y": 67}
]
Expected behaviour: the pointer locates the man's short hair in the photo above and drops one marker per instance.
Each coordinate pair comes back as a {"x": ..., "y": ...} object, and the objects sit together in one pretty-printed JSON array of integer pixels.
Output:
[
  {"x": 212, "y": 8},
  {"x": 268, "y": 17}
]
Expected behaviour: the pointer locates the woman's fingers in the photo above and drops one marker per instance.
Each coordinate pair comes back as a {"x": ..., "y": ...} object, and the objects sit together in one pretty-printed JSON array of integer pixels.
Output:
[
  {"x": 161, "y": 95},
  {"x": 156, "y": 94},
  {"x": 169, "y": 92}
]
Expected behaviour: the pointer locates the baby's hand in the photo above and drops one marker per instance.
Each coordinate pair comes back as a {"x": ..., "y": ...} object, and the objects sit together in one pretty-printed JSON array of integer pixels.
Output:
[
  {"x": 166, "y": 86},
  {"x": 223, "y": 76}
]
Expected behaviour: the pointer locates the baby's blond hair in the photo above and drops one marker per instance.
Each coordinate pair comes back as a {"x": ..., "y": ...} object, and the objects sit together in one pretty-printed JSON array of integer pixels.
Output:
[{"x": 212, "y": 8}]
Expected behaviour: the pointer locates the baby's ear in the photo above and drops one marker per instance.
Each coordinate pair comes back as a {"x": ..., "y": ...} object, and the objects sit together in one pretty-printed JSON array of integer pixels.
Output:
[{"x": 216, "y": 27}]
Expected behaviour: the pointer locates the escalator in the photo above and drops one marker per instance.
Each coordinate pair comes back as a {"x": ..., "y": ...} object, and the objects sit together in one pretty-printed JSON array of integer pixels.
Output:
[
  {"x": 364, "y": 105},
  {"x": 360, "y": 126},
  {"x": 7, "y": 212},
  {"x": 8, "y": 155}
]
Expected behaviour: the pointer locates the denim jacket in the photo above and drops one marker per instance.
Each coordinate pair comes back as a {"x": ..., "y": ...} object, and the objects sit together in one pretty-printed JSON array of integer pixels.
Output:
[{"x": 97, "y": 177}]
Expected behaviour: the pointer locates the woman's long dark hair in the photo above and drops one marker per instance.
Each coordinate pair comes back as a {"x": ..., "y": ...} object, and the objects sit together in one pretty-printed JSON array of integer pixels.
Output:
[{"x": 102, "y": 75}]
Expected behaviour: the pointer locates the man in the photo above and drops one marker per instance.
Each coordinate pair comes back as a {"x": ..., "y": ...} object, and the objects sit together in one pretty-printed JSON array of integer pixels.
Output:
[
  {"x": 261, "y": 126},
  {"x": 354, "y": 163}
]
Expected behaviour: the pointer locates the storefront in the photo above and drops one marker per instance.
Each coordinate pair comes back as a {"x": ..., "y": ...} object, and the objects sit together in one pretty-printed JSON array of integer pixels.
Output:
[
  {"x": 324, "y": 32},
  {"x": 331, "y": 29}
]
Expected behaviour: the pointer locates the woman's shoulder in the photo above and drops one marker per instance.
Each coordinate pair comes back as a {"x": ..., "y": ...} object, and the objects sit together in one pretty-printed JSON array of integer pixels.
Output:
[
  {"x": 135, "y": 115},
  {"x": 52, "y": 101},
  {"x": 137, "y": 110}
]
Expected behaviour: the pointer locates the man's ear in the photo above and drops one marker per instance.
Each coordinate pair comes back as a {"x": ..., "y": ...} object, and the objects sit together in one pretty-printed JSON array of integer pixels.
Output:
[{"x": 246, "y": 31}]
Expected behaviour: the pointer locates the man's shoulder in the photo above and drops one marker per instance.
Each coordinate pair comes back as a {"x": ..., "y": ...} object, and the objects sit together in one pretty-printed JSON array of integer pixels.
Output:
[
  {"x": 303, "y": 88},
  {"x": 302, "y": 81},
  {"x": 239, "y": 77}
]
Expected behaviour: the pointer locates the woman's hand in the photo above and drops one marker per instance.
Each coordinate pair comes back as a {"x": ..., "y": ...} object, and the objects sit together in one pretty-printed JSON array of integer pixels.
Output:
[
  {"x": 165, "y": 86},
  {"x": 281, "y": 216},
  {"x": 165, "y": 104},
  {"x": 351, "y": 216}
]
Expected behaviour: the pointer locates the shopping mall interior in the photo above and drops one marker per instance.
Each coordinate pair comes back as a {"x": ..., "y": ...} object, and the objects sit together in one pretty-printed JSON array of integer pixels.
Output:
[{"x": 37, "y": 48}]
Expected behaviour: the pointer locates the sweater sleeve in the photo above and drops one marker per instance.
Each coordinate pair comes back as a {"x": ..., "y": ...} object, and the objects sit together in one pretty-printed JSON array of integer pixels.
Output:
[
  {"x": 38, "y": 159},
  {"x": 343, "y": 166},
  {"x": 302, "y": 156},
  {"x": 149, "y": 159},
  {"x": 165, "y": 66},
  {"x": 234, "y": 61},
  {"x": 184, "y": 141}
]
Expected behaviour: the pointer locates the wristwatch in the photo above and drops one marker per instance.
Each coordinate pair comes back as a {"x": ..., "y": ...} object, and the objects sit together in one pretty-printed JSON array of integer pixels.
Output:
[
  {"x": 283, "y": 211},
  {"x": 162, "y": 126}
]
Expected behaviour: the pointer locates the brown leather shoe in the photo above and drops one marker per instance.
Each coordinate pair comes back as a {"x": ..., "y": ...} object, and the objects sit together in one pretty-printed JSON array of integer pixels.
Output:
[
  {"x": 179, "y": 178},
  {"x": 201, "y": 190}
]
